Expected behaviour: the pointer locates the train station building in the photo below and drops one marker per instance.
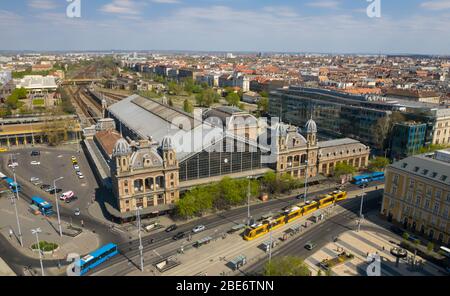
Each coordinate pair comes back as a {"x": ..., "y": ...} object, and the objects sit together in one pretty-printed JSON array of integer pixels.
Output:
[{"x": 163, "y": 151}]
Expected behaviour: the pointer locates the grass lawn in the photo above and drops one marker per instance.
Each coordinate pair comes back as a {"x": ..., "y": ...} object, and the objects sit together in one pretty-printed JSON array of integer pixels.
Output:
[{"x": 38, "y": 102}]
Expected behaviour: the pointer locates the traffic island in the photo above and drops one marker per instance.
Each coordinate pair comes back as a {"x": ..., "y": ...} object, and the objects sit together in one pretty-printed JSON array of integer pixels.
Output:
[
  {"x": 45, "y": 247},
  {"x": 328, "y": 264}
]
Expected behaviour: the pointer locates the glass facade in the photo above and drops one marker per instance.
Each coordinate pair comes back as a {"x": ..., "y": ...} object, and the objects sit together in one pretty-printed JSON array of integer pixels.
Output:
[
  {"x": 407, "y": 139},
  {"x": 336, "y": 114},
  {"x": 216, "y": 163}
]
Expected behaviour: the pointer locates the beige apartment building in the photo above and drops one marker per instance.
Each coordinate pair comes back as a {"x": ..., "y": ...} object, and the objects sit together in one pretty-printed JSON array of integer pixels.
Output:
[
  {"x": 417, "y": 195},
  {"x": 441, "y": 133}
]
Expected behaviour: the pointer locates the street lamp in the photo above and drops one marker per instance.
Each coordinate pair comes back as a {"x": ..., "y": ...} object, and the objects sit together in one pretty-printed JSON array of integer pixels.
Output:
[
  {"x": 306, "y": 180},
  {"x": 14, "y": 173},
  {"x": 13, "y": 200},
  {"x": 57, "y": 205},
  {"x": 248, "y": 200},
  {"x": 141, "y": 248},
  {"x": 361, "y": 217},
  {"x": 36, "y": 232}
]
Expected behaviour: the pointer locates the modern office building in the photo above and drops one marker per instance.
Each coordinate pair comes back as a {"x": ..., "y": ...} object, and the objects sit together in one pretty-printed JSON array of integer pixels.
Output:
[
  {"x": 407, "y": 139},
  {"x": 335, "y": 113},
  {"x": 417, "y": 195},
  {"x": 356, "y": 116}
]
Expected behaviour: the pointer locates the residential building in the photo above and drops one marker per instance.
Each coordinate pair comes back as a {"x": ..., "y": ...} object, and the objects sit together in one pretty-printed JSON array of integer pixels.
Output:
[{"x": 417, "y": 195}]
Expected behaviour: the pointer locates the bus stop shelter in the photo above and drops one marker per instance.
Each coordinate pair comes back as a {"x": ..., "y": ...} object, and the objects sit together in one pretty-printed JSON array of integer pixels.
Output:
[
  {"x": 318, "y": 216},
  {"x": 238, "y": 262}
]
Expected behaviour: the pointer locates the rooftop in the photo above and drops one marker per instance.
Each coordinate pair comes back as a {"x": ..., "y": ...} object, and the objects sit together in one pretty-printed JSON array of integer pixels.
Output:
[{"x": 434, "y": 166}]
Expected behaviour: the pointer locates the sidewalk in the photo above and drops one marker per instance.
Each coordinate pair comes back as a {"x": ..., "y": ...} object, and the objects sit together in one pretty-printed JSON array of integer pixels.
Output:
[
  {"x": 96, "y": 212},
  {"x": 213, "y": 259},
  {"x": 81, "y": 244},
  {"x": 368, "y": 242},
  {"x": 5, "y": 270}
]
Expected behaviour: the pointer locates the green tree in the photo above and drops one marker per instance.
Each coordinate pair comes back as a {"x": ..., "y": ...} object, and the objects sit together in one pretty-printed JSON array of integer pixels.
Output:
[
  {"x": 430, "y": 247},
  {"x": 207, "y": 97},
  {"x": 343, "y": 169},
  {"x": 405, "y": 236},
  {"x": 233, "y": 99},
  {"x": 187, "y": 106},
  {"x": 287, "y": 266},
  {"x": 263, "y": 104},
  {"x": 174, "y": 88},
  {"x": 432, "y": 148},
  {"x": 378, "y": 164},
  {"x": 264, "y": 94}
]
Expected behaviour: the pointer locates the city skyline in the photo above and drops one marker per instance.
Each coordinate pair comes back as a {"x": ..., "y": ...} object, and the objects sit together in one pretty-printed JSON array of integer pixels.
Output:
[{"x": 405, "y": 27}]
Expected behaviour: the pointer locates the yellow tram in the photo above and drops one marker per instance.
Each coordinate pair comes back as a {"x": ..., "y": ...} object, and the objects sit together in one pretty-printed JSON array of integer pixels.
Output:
[{"x": 293, "y": 214}]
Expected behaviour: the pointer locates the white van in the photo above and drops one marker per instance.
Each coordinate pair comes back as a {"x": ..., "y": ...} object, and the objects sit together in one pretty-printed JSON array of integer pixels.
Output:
[{"x": 66, "y": 195}]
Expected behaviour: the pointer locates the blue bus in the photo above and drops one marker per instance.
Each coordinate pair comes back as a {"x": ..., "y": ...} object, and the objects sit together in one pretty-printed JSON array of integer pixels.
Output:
[
  {"x": 44, "y": 207},
  {"x": 361, "y": 179},
  {"x": 97, "y": 257},
  {"x": 366, "y": 178},
  {"x": 12, "y": 185}
]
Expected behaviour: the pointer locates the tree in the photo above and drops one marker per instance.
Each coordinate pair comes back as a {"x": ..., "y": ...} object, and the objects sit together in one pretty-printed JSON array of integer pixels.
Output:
[
  {"x": 432, "y": 148},
  {"x": 287, "y": 266},
  {"x": 174, "y": 88},
  {"x": 342, "y": 169},
  {"x": 12, "y": 101},
  {"x": 378, "y": 164},
  {"x": 264, "y": 94},
  {"x": 263, "y": 104},
  {"x": 430, "y": 247},
  {"x": 187, "y": 106},
  {"x": 170, "y": 102},
  {"x": 405, "y": 236},
  {"x": 383, "y": 128},
  {"x": 207, "y": 97},
  {"x": 233, "y": 99}
]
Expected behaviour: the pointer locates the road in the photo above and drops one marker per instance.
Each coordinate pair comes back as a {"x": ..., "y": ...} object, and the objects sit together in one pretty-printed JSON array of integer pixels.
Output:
[
  {"x": 216, "y": 224},
  {"x": 17, "y": 261},
  {"x": 323, "y": 233}
]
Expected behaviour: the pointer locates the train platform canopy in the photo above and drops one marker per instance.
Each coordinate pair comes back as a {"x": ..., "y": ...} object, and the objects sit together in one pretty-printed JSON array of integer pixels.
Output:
[{"x": 150, "y": 119}]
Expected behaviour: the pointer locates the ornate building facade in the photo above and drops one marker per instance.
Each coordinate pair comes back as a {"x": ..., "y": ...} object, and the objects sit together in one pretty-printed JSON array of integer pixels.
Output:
[{"x": 149, "y": 170}]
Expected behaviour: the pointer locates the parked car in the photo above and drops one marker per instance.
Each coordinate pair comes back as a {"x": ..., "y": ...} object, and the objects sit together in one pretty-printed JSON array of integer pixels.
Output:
[
  {"x": 66, "y": 195},
  {"x": 45, "y": 187},
  {"x": 171, "y": 228},
  {"x": 37, "y": 183},
  {"x": 81, "y": 176},
  {"x": 34, "y": 179},
  {"x": 35, "y": 162},
  {"x": 198, "y": 228},
  {"x": 35, "y": 153},
  {"x": 77, "y": 212},
  {"x": 76, "y": 167},
  {"x": 13, "y": 164},
  {"x": 55, "y": 190},
  {"x": 301, "y": 196},
  {"x": 79, "y": 173},
  {"x": 178, "y": 236},
  {"x": 310, "y": 246},
  {"x": 73, "y": 198}
]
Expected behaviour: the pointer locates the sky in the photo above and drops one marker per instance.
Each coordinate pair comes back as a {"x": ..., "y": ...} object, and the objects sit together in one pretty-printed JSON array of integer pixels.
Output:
[{"x": 324, "y": 26}]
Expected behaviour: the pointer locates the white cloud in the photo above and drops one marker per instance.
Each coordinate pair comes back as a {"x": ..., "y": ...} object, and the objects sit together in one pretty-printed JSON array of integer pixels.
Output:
[
  {"x": 230, "y": 29},
  {"x": 42, "y": 4},
  {"x": 166, "y": 1},
  {"x": 436, "y": 5},
  {"x": 122, "y": 7},
  {"x": 324, "y": 4}
]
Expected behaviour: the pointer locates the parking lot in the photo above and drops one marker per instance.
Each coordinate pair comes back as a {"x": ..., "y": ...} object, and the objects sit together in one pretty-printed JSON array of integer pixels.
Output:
[{"x": 53, "y": 164}]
